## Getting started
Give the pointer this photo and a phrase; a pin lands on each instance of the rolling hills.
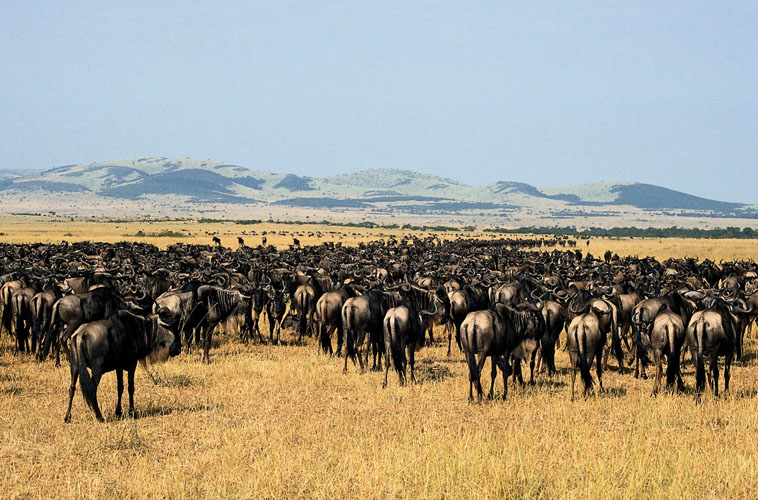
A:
(191, 182)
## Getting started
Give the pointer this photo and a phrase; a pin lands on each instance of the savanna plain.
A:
(266, 421)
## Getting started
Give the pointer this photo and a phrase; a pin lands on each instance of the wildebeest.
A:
(467, 299)
(6, 304)
(493, 333)
(116, 343)
(585, 343)
(365, 315)
(667, 338)
(41, 310)
(22, 316)
(711, 333)
(72, 311)
(329, 317)
(404, 330)
(218, 304)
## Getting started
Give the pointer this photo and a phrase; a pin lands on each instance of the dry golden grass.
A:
(30, 229)
(284, 422)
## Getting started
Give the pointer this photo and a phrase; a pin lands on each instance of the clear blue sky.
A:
(548, 93)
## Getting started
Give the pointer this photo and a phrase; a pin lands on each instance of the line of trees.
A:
(635, 232)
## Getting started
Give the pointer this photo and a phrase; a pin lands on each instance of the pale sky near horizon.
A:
(548, 93)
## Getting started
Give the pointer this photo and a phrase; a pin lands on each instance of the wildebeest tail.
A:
(699, 362)
(616, 345)
(349, 333)
(79, 358)
(304, 314)
(584, 367)
(672, 368)
(393, 345)
(38, 305)
(50, 334)
(473, 369)
(322, 340)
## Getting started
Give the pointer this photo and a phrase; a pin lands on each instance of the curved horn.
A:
(431, 313)
(740, 310)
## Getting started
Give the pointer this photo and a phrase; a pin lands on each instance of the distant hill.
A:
(381, 190)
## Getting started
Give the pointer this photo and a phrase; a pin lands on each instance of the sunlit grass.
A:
(265, 421)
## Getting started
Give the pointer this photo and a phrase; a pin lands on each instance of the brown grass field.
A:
(283, 422)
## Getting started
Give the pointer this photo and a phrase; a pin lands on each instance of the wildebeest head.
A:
(165, 343)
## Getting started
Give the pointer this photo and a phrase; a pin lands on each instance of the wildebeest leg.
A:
(538, 365)
(119, 390)
(493, 374)
(208, 333)
(480, 367)
(329, 332)
(573, 373)
(449, 343)
(386, 369)
(89, 389)
(504, 369)
(411, 359)
(130, 381)
(657, 354)
(271, 322)
(727, 371)
(257, 326)
(531, 367)
(714, 367)
(71, 391)
(606, 352)
(358, 347)
(599, 369)
(340, 339)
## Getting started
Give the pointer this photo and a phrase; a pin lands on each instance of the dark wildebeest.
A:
(712, 333)
(42, 309)
(667, 338)
(468, 299)
(554, 316)
(218, 304)
(22, 316)
(329, 317)
(6, 304)
(116, 343)
(494, 333)
(276, 310)
(404, 330)
(585, 342)
(365, 315)
(75, 310)
(304, 303)
(252, 323)
(182, 310)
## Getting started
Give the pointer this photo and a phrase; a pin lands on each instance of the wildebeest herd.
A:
(110, 306)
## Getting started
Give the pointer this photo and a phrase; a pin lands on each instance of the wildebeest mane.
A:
(225, 301)
(139, 330)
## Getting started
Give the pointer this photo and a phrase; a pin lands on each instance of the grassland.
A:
(283, 422)
(29, 229)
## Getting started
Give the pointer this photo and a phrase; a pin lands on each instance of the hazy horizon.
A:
(547, 95)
